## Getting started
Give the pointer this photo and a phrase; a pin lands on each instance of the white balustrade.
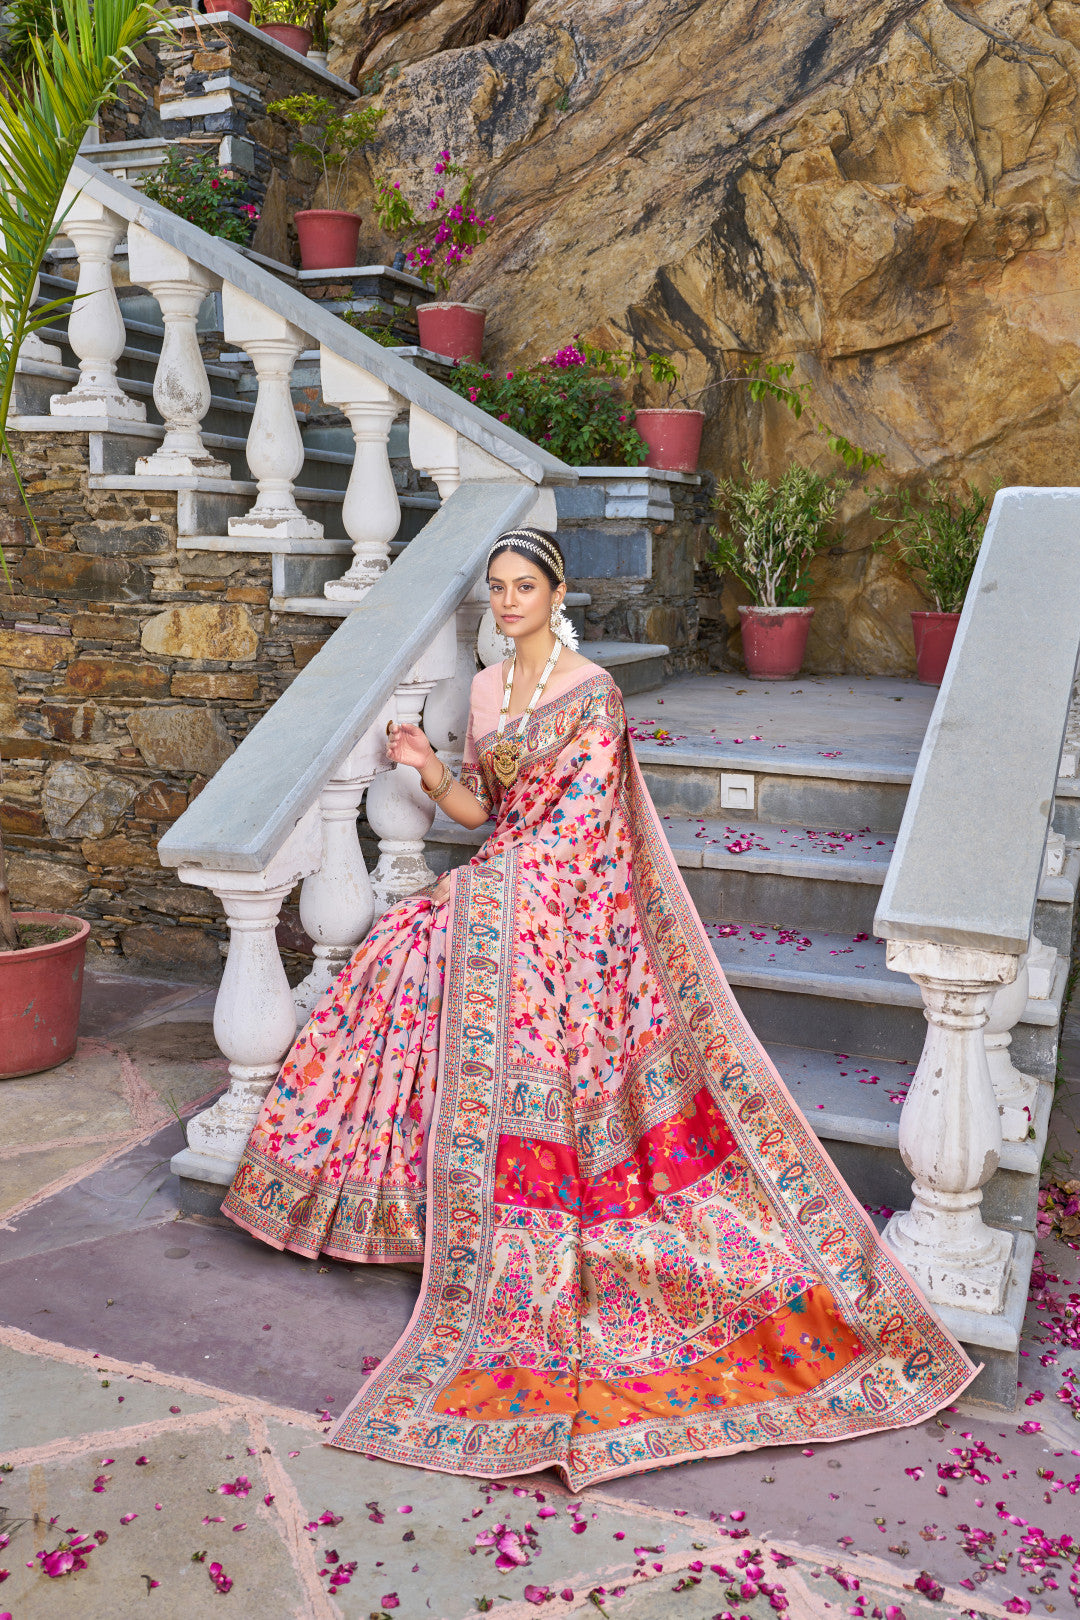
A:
(34, 346)
(181, 386)
(254, 1016)
(1016, 1093)
(337, 905)
(950, 1130)
(399, 812)
(275, 449)
(371, 512)
(96, 329)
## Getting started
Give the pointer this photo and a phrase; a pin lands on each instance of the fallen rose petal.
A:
(267, 1500)
(390, 1600)
(140, 1462)
(127, 1518)
(537, 1594)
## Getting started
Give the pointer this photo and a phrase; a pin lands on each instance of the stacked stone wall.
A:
(129, 671)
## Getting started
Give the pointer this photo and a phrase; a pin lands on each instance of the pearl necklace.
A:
(506, 755)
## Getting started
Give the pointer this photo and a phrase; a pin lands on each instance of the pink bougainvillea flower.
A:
(221, 1581)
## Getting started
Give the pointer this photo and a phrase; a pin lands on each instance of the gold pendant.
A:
(504, 762)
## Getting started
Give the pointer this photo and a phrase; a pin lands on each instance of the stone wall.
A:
(635, 544)
(884, 192)
(234, 72)
(129, 671)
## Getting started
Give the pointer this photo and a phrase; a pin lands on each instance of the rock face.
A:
(885, 193)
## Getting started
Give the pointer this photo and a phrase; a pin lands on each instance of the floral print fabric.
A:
(635, 1250)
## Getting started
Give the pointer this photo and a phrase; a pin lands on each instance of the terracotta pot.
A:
(934, 635)
(328, 238)
(456, 330)
(40, 998)
(673, 438)
(297, 39)
(238, 8)
(774, 641)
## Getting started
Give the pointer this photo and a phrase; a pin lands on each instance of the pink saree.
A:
(635, 1250)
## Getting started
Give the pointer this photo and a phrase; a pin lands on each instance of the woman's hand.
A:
(407, 745)
(440, 890)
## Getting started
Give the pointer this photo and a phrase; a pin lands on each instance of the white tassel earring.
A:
(562, 628)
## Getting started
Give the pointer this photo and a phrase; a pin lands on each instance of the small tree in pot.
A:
(45, 112)
(940, 541)
(328, 236)
(766, 539)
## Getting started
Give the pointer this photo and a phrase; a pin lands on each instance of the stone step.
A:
(833, 992)
(853, 1105)
(634, 666)
(821, 879)
(696, 777)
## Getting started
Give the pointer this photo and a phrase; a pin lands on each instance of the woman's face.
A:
(520, 595)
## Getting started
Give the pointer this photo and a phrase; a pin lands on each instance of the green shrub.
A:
(771, 531)
(939, 539)
(194, 186)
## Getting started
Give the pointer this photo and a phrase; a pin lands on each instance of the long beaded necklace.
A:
(506, 755)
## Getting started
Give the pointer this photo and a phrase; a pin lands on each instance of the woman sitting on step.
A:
(534, 1079)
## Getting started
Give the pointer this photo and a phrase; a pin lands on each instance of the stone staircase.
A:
(300, 571)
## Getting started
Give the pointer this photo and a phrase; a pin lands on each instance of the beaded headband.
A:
(531, 540)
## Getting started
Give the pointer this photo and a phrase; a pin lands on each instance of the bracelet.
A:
(446, 782)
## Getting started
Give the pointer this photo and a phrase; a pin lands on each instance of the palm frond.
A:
(45, 113)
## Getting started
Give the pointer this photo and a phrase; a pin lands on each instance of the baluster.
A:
(33, 345)
(96, 330)
(336, 902)
(399, 812)
(371, 513)
(275, 449)
(254, 1016)
(181, 386)
(1016, 1093)
(950, 1130)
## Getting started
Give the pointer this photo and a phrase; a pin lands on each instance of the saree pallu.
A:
(635, 1250)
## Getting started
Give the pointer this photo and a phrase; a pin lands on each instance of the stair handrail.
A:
(222, 259)
(958, 902)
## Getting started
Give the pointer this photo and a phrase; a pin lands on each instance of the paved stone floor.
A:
(148, 1362)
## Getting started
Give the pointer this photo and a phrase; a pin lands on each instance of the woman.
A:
(535, 1079)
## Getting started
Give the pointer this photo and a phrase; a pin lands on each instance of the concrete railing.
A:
(283, 808)
(958, 902)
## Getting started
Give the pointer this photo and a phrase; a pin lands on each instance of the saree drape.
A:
(635, 1251)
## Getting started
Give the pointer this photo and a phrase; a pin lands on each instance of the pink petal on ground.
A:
(537, 1594)
(390, 1600)
(140, 1462)
(127, 1518)
(267, 1500)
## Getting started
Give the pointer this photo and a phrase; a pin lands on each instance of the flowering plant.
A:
(444, 235)
(333, 137)
(773, 530)
(193, 185)
(568, 404)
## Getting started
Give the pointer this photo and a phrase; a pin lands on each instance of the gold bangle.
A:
(445, 783)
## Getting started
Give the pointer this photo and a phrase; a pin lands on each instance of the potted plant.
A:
(437, 242)
(940, 540)
(328, 236)
(671, 432)
(45, 112)
(237, 8)
(287, 21)
(194, 185)
(769, 534)
(566, 402)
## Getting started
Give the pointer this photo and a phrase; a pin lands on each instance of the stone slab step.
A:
(806, 788)
(853, 1105)
(834, 992)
